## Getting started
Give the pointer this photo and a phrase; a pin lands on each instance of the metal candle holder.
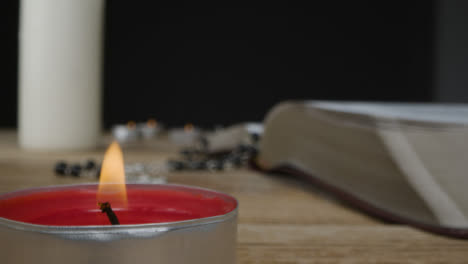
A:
(204, 241)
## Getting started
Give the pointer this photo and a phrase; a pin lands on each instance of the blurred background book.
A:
(403, 162)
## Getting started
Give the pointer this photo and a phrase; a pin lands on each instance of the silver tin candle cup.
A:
(204, 240)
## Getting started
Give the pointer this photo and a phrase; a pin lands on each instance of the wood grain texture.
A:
(280, 220)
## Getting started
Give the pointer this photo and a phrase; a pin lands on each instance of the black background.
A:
(214, 64)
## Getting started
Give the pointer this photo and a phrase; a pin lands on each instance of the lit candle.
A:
(149, 129)
(186, 136)
(125, 133)
(158, 223)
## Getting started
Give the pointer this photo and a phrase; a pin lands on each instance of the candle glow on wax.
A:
(112, 179)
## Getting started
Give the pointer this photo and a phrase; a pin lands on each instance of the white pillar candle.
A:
(60, 73)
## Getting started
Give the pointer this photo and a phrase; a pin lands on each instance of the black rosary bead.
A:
(214, 165)
(90, 164)
(197, 165)
(75, 170)
(61, 168)
(176, 165)
(255, 137)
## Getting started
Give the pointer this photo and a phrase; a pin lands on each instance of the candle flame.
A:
(131, 125)
(152, 123)
(188, 127)
(112, 180)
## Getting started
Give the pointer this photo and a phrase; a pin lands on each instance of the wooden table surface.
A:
(280, 220)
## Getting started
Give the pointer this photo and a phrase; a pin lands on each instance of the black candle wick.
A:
(106, 208)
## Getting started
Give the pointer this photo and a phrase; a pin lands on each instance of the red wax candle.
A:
(77, 205)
